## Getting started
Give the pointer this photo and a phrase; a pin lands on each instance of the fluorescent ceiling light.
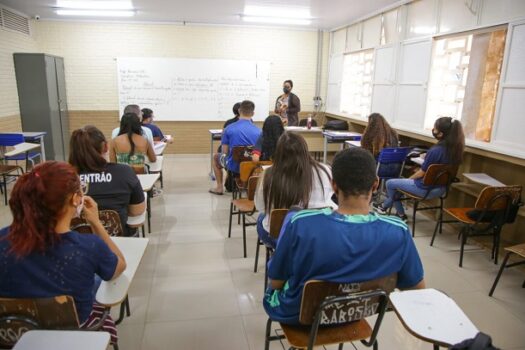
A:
(277, 20)
(95, 4)
(95, 13)
(278, 11)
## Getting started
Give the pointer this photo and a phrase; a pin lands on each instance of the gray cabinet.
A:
(42, 96)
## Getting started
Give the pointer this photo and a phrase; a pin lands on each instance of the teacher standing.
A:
(288, 105)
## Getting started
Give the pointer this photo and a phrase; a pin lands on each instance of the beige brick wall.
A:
(11, 42)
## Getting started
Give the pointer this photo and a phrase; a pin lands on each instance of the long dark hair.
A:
(37, 201)
(289, 181)
(271, 131)
(453, 138)
(378, 134)
(85, 149)
(129, 125)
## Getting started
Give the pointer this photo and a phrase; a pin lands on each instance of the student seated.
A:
(147, 121)
(112, 186)
(135, 109)
(448, 150)
(271, 131)
(241, 133)
(40, 257)
(130, 147)
(346, 245)
(216, 163)
(294, 179)
(378, 135)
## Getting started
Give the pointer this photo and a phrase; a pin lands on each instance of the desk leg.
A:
(149, 211)
(325, 146)
(211, 155)
(42, 149)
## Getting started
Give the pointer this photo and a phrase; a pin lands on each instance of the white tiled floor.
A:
(194, 290)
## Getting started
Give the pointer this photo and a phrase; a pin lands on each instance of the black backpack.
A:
(336, 125)
(481, 342)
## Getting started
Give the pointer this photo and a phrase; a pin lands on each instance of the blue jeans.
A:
(407, 185)
(264, 235)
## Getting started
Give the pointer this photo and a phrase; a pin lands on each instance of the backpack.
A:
(480, 342)
(336, 125)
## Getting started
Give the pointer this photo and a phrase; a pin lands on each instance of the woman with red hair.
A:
(40, 256)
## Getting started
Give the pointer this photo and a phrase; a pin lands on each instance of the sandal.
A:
(216, 192)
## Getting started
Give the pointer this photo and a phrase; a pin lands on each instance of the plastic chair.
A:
(436, 175)
(12, 139)
(8, 171)
(390, 163)
(516, 249)
(18, 316)
(495, 207)
(341, 306)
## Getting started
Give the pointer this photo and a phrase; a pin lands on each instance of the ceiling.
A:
(327, 14)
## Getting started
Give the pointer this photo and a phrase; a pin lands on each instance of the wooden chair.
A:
(436, 175)
(18, 316)
(245, 206)
(239, 154)
(5, 172)
(495, 206)
(276, 222)
(341, 306)
(109, 219)
(516, 249)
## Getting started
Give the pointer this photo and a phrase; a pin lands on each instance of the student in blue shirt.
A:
(147, 121)
(241, 133)
(448, 150)
(348, 245)
(40, 256)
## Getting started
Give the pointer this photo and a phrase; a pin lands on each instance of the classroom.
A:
(153, 184)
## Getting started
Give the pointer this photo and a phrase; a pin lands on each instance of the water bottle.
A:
(309, 123)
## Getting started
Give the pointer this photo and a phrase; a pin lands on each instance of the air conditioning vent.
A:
(14, 21)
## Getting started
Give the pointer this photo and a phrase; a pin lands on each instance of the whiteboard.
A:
(183, 89)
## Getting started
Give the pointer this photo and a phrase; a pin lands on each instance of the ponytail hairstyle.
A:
(37, 202)
(289, 181)
(271, 131)
(378, 135)
(129, 125)
(453, 138)
(85, 149)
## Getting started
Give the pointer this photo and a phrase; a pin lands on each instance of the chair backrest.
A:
(391, 160)
(18, 316)
(242, 153)
(321, 300)
(11, 139)
(504, 200)
(252, 185)
(110, 219)
(276, 221)
(251, 168)
(440, 175)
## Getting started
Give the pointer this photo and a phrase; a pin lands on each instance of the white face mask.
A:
(80, 207)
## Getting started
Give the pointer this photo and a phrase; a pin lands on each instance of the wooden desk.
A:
(331, 136)
(215, 135)
(111, 293)
(313, 138)
(432, 316)
(483, 179)
(147, 181)
(63, 340)
(37, 136)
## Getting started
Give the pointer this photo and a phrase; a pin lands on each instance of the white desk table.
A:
(432, 316)
(159, 148)
(111, 293)
(147, 181)
(332, 136)
(156, 167)
(418, 160)
(215, 135)
(484, 179)
(62, 340)
(37, 136)
(23, 148)
(351, 143)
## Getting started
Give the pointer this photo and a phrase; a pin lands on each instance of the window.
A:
(464, 80)
(356, 88)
